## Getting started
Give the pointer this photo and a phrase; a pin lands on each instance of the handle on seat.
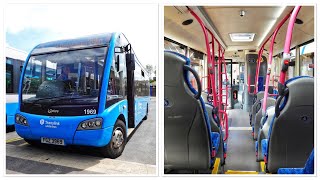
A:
(254, 99)
(277, 107)
(195, 74)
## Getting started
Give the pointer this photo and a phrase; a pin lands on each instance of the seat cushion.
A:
(308, 168)
(264, 145)
(290, 171)
(215, 139)
(256, 146)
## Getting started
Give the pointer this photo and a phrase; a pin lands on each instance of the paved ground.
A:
(142, 145)
(139, 156)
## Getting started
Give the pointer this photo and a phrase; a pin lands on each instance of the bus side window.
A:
(113, 83)
(117, 78)
(137, 81)
(122, 74)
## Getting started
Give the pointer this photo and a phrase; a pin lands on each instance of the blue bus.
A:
(14, 63)
(86, 91)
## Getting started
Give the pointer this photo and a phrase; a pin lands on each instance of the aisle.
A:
(241, 154)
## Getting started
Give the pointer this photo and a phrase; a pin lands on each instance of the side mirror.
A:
(130, 61)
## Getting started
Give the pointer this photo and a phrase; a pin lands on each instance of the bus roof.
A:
(75, 43)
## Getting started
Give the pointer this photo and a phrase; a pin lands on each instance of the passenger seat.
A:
(257, 119)
(188, 140)
(263, 132)
(291, 135)
(256, 106)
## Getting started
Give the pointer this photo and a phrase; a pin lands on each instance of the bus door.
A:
(124, 65)
(233, 73)
(130, 64)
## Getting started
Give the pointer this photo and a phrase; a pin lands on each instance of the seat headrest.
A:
(260, 95)
(301, 92)
(173, 65)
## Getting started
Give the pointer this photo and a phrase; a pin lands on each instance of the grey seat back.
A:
(256, 105)
(215, 127)
(291, 138)
(263, 133)
(204, 96)
(213, 124)
(186, 137)
(257, 120)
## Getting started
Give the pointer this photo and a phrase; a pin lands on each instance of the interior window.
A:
(307, 59)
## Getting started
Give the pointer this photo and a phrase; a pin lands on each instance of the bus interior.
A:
(242, 100)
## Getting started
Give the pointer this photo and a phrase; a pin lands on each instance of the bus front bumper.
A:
(95, 138)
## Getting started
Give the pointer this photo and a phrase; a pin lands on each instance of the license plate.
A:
(54, 141)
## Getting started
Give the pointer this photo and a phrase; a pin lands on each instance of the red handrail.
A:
(211, 62)
(260, 55)
(266, 88)
(204, 32)
(211, 70)
(286, 50)
(224, 114)
(258, 64)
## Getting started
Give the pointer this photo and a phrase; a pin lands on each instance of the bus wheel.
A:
(10, 129)
(118, 141)
(146, 117)
(31, 142)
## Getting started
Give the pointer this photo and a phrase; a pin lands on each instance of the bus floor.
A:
(241, 154)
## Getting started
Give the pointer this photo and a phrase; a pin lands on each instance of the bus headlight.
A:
(21, 120)
(95, 123)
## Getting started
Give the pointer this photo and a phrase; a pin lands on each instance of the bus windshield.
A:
(63, 78)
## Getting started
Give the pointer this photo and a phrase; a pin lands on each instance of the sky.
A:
(28, 25)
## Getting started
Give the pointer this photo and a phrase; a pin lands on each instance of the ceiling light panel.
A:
(242, 37)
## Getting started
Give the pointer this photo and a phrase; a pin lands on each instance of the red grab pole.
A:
(261, 52)
(211, 72)
(206, 41)
(266, 88)
(220, 80)
(217, 102)
(258, 65)
(286, 50)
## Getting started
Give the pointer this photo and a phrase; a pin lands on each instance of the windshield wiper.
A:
(71, 98)
(47, 98)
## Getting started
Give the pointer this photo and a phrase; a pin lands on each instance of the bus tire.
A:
(146, 117)
(117, 143)
(31, 142)
(10, 128)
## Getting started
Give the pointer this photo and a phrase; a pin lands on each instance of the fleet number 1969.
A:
(90, 111)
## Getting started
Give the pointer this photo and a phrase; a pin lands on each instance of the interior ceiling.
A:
(226, 19)
(301, 32)
(190, 35)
